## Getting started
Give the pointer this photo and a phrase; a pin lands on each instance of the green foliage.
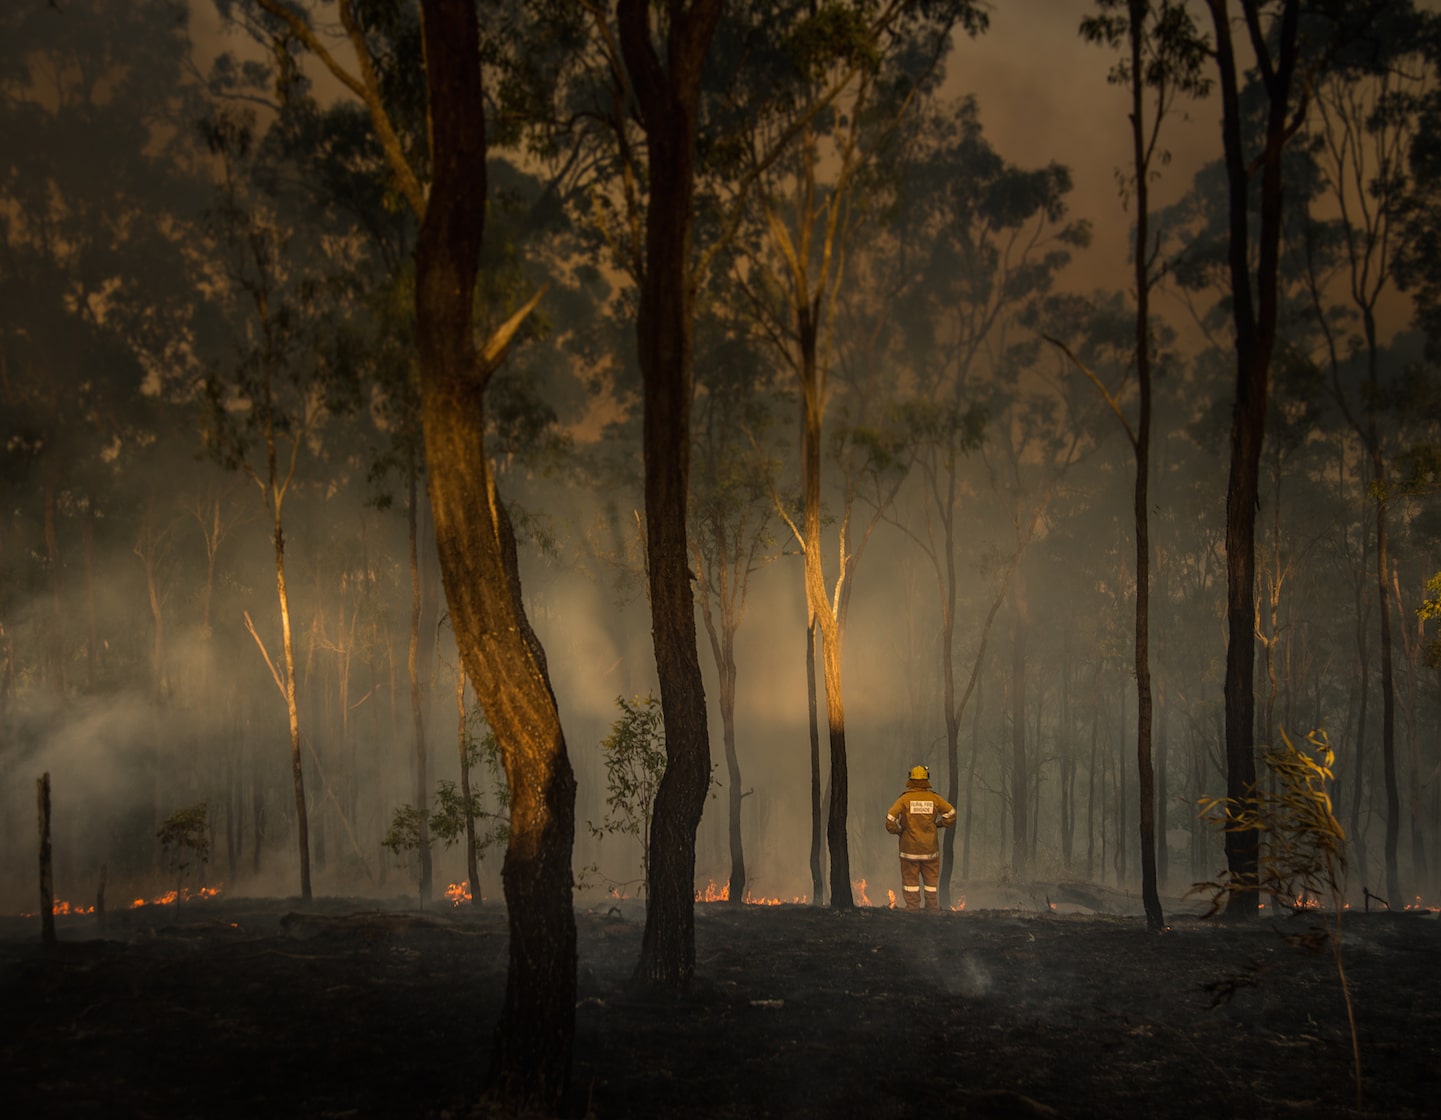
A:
(448, 821)
(407, 828)
(634, 762)
(412, 828)
(1302, 860)
(185, 839)
(1303, 845)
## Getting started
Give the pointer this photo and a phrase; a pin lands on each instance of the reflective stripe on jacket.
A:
(915, 817)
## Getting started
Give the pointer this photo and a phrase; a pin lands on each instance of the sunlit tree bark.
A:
(498, 649)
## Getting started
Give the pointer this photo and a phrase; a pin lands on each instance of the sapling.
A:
(185, 839)
(634, 762)
(1302, 851)
(454, 816)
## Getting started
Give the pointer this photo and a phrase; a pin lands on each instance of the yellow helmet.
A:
(920, 773)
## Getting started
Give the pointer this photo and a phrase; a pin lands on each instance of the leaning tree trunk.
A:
(498, 649)
(667, 90)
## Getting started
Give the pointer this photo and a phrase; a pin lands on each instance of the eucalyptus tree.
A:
(267, 403)
(1163, 58)
(974, 239)
(1292, 48)
(731, 532)
(1364, 125)
(441, 174)
(657, 61)
(1273, 33)
(867, 66)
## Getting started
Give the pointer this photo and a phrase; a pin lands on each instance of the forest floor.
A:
(235, 1007)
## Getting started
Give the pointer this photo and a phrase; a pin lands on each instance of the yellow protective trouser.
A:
(916, 871)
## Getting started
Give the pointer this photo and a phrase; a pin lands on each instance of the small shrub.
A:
(185, 840)
(1302, 850)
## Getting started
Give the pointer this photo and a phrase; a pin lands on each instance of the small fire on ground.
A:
(712, 892)
(460, 892)
(61, 907)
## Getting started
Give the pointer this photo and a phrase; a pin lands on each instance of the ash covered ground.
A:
(235, 1007)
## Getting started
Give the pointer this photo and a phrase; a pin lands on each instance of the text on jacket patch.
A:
(927, 807)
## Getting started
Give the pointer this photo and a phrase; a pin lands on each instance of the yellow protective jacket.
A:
(915, 817)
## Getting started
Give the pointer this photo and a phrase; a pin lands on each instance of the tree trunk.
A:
(501, 654)
(292, 709)
(1255, 326)
(418, 685)
(1388, 690)
(1020, 772)
(87, 556)
(818, 887)
(54, 654)
(47, 875)
(472, 864)
(737, 892)
(1146, 793)
(666, 86)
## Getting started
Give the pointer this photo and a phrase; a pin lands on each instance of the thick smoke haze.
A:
(113, 494)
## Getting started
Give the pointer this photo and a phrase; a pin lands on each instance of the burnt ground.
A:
(256, 1008)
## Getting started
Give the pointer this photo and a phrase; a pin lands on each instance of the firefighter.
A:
(915, 816)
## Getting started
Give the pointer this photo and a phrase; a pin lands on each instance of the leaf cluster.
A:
(185, 836)
(1302, 843)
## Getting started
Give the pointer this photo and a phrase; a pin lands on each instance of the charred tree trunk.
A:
(719, 580)
(737, 893)
(1146, 794)
(1388, 685)
(1255, 328)
(47, 875)
(500, 652)
(666, 87)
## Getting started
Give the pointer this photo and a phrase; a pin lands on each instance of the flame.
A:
(62, 907)
(460, 892)
(892, 896)
(712, 892)
(960, 904)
